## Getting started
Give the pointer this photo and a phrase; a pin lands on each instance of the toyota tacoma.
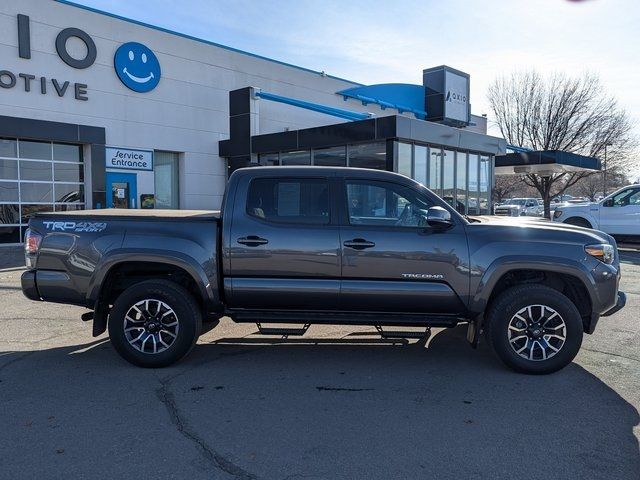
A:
(315, 245)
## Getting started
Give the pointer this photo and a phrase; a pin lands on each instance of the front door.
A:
(121, 190)
(392, 260)
(282, 251)
(620, 214)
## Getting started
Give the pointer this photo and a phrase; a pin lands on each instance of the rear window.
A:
(289, 200)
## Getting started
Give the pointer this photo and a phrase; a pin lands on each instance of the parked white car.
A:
(617, 214)
(518, 207)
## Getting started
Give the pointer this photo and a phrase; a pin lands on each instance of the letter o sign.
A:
(61, 47)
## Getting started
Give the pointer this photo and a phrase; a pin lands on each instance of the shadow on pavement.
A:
(11, 257)
(313, 408)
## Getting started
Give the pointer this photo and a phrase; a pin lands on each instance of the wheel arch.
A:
(567, 277)
(583, 218)
(142, 265)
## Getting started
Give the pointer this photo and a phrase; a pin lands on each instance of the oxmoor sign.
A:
(129, 159)
(135, 64)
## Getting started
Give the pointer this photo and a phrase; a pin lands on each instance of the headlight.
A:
(602, 251)
(557, 214)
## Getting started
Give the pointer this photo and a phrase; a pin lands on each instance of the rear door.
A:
(284, 249)
(392, 260)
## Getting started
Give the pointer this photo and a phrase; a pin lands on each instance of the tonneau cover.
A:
(141, 213)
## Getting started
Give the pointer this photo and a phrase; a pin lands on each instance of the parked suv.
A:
(517, 207)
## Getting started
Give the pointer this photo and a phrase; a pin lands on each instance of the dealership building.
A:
(101, 111)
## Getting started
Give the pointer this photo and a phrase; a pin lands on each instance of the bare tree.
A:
(558, 112)
(504, 186)
(592, 186)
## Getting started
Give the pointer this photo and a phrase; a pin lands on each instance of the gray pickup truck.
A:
(314, 245)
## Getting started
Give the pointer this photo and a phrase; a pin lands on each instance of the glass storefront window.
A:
(269, 159)
(420, 163)
(37, 176)
(68, 193)
(435, 170)
(35, 150)
(330, 157)
(404, 159)
(301, 157)
(66, 153)
(461, 182)
(39, 171)
(8, 147)
(8, 191)
(36, 192)
(448, 163)
(68, 172)
(166, 169)
(473, 205)
(8, 169)
(485, 173)
(368, 155)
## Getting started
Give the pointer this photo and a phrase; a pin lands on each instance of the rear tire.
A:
(154, 323)
(534, 329)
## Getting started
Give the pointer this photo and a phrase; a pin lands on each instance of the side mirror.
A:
(608, 202)
(439, 217)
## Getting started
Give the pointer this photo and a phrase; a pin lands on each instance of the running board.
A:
(284, 332)
(399, 334)
(307, 317)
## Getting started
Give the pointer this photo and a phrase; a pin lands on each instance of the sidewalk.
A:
(11, 257)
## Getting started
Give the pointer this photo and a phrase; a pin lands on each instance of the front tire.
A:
(154, 323)
(534, 329)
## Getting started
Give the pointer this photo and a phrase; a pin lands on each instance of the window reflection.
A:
(330, 157)
(368, 155)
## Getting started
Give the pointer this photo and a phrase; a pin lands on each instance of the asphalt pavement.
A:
(336, 403)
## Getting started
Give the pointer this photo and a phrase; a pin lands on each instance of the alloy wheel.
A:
(151, 326)
(537, 332)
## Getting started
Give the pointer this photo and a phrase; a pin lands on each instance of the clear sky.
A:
(376, 41)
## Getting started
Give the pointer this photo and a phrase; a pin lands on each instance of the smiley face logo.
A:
(137, 67)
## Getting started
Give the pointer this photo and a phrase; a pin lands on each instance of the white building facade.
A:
(100, 111)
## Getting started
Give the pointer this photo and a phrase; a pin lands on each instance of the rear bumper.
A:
(620, 303)
(29, 289)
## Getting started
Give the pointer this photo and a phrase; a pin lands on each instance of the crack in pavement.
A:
(612, 354)
(17, 359)
(220, 462)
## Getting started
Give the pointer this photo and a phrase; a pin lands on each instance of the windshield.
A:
(516, 201)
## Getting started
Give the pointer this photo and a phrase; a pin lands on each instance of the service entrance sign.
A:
(129, 159)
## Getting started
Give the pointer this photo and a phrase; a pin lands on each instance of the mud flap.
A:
(474, 329)
(101, 313)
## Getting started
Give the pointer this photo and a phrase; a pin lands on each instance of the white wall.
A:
(187, 112)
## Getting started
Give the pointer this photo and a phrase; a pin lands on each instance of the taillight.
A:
(31, 242)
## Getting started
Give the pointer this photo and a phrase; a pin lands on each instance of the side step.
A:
(282, 331)
(424, 335)
(343, 318)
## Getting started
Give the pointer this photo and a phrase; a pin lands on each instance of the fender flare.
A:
(176, 259)
(503, 265)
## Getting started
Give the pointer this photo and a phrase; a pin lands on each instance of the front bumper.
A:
(620, 303)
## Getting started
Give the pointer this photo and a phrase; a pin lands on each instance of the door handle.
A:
(252, 241)
(359, 244)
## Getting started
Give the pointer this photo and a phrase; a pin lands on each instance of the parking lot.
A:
(336, 403)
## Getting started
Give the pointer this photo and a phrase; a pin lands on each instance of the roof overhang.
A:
(544, 162)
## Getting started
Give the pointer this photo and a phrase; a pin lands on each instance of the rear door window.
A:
(289, 200)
